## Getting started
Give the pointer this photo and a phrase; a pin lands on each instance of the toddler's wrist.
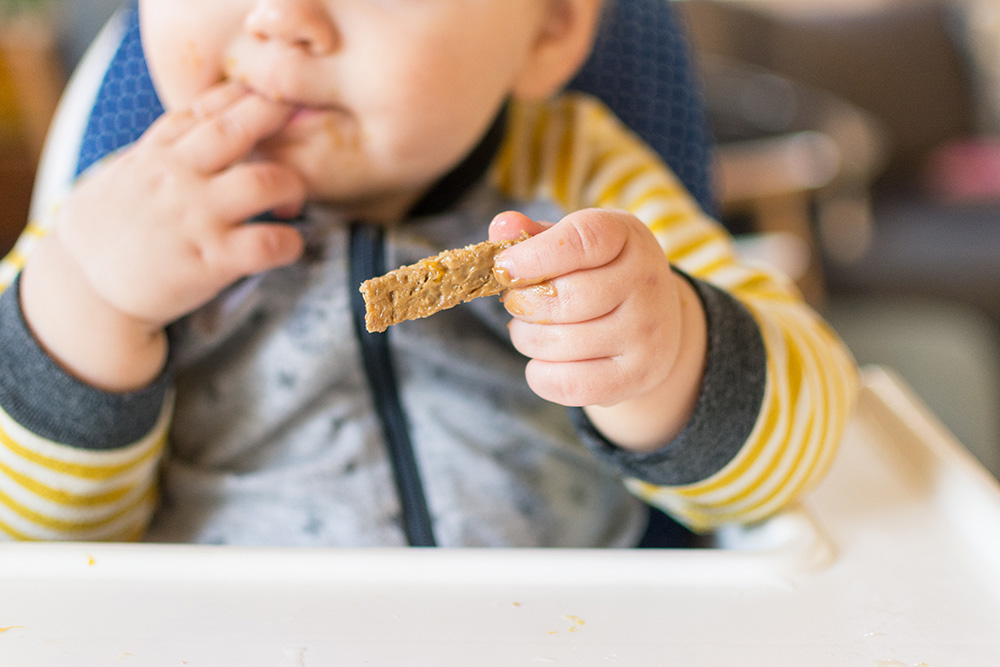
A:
(90, 338)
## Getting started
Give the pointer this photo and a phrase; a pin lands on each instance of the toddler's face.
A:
(390, 94)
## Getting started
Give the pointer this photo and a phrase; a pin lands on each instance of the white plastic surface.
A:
(894, 561)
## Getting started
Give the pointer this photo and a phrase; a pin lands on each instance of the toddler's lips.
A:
(302, 108)
(334, 123)
(306, 111)
(303, 113)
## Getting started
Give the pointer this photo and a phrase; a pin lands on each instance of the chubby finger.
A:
(249, 189)
(566, 342)
(510, 225)
(217, 98)
(221, 139)
(582, 240)
(577, 297)
(175, 123)
(599, 381)
(256, 246)
(170, 126)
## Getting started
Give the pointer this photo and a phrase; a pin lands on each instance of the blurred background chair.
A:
(905, 235)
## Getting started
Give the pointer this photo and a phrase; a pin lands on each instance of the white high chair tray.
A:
(894, 561)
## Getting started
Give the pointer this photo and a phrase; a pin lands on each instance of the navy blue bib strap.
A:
(126, 103)
(368, 261)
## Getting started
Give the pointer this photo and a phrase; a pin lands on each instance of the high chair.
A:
(892, 561)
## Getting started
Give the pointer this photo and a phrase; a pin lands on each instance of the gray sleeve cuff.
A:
(40, 396)
(727, 408)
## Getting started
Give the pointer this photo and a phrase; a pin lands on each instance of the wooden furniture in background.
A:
(31, 79)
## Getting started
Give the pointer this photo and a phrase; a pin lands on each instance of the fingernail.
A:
(503, 269)
(502, 272)
(515, 305)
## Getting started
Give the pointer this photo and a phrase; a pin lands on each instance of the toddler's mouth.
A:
(307, 122)
(309, 116)
(304, 112)
(302, 107)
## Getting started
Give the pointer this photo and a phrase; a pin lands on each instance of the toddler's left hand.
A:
(596, 306)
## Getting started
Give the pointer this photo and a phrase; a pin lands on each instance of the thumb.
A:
(508, 225)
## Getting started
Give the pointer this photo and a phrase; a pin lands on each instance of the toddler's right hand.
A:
(159, 230)
(155, 232)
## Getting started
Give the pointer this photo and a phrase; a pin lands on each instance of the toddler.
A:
(182, 350)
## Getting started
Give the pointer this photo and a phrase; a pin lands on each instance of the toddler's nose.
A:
(304, 24)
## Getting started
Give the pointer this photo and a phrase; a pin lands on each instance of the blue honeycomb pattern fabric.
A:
(641, 69)
(126, 102)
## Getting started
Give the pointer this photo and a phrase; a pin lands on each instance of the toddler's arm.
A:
(777, 386)
(156, 232)
(144, 238)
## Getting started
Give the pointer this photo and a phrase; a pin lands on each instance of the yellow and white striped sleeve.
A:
(574, 152)
(51, 491)
(75, 463)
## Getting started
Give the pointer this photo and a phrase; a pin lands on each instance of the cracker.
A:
(432, 284)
